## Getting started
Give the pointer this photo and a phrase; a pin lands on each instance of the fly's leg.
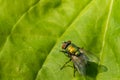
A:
(63, 51)
(65, 64)
(69, 66)
(74, 70)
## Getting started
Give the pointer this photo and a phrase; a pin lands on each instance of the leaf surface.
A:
(31, 34)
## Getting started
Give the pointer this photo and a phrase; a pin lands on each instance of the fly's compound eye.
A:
(65, 44)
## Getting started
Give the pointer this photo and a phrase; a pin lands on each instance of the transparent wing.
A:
(80, 64)
(90, 57)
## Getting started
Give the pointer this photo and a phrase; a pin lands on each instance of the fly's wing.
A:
(80, 64)
(90, 56)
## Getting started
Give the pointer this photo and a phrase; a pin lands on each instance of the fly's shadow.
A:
(92, 69)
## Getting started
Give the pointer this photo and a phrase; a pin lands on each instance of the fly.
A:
(78, 56)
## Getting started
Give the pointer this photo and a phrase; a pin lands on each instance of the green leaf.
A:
(32, 31)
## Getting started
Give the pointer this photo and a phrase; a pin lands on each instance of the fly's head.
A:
(64, 48)
(65, 44)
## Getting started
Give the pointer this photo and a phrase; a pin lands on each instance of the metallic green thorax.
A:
(73, 49)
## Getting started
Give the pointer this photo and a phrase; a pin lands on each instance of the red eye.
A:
(64, 46)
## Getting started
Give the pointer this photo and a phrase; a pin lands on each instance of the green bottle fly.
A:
(78, 56)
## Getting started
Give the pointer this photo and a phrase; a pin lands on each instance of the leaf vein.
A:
(106, 28)
(21, 17)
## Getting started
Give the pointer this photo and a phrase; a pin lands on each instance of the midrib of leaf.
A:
(21, 17)
(104, 36)
(105, 30)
